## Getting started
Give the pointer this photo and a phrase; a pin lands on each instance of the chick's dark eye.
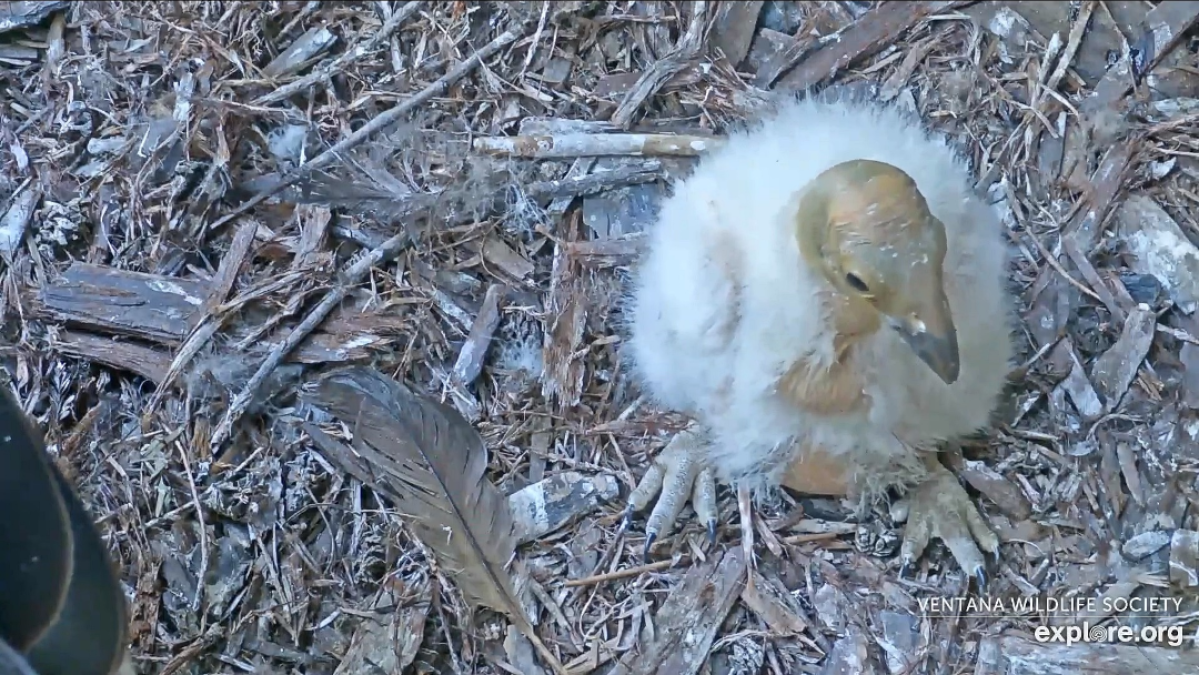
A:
(855, 282)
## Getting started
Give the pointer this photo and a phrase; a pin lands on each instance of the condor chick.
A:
(826, 282)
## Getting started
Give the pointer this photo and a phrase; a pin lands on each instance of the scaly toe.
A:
(680, 470)
(673, 477)
(940, 508)
(703, 500)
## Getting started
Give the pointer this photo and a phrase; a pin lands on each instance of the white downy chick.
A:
(829, 280)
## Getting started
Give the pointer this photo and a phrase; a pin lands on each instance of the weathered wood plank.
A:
(119, 302)
(105, 302)
(688, 620)
(132, 357)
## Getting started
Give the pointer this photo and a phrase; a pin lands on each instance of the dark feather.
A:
(433, 464)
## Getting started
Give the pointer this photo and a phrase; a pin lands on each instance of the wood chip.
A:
(221, 284)
(566, 311)
(769, 599)
(470, 360)
(619, 213)
(515, 265)
(1145, 544)
(119, 302)
(1076, 385)
(614, 86)
(733, 31)
(766, 46)
(1088, 272)
(907, 67)
(129, 357)
(608, 252)
(1128, 468)
(1114, 371)
(688, 620)
(1006, 495)
(900, 642)
(1184, 559)
(596, 182)
(850, 656)
(16, 219)
(26, 13)
(520, 653)
(1104, 186)
(1163, 28)
(557, 501)
(1189, 355)
(297, 55)
(388, 638)
(1158, 246)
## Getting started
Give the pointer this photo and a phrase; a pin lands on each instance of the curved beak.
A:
(933, 337)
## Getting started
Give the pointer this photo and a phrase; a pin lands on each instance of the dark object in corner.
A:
(62, 611)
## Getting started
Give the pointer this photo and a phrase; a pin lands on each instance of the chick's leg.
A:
(676, 473)
(939, 507)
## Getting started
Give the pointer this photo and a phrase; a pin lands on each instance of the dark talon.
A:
(650, 537)
(980, 575)
(904, 568)
(712, 532)
(626, 520)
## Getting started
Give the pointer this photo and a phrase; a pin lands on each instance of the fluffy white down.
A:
(726, 231)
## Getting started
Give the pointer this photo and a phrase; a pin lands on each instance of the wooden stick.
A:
(569, 146)
(625, 573)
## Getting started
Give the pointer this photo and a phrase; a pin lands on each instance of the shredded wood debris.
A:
(206, 206)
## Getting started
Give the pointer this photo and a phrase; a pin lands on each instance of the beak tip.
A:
(950, 364)
(938, 349)
(951, 374)
(940, 355)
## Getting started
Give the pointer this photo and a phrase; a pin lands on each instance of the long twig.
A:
(355, 272)
(349, 278)
(569, 146)
(439, 87)
(198, 597)
(627, 572)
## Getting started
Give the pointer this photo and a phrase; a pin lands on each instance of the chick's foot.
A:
(939, 507)
(676, 474)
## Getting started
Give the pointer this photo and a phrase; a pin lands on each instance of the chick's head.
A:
(865, 226)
